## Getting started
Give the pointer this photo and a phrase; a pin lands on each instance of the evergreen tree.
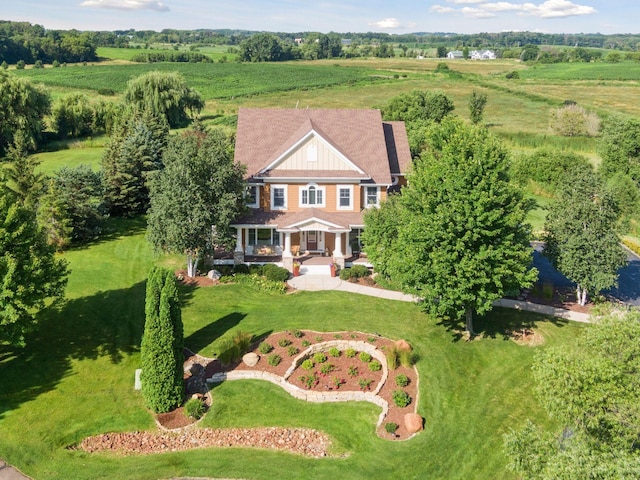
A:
(21, 171)
(161, 350)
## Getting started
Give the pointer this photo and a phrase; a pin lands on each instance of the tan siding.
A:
(357, 198)
(265, 197)
(292, 198)
(326, 158)
(382, 194)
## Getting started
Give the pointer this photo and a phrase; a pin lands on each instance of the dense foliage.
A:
(23, 106)
(196, 196)
(581, 240)
(457, 236)
(166, 94)
(418, 105)
(547, 167)
(593, 390)
(162, 343)
(31, 276)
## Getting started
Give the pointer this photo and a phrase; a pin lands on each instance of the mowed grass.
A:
(75, 378)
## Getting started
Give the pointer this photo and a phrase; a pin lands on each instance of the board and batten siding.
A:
(314, 154)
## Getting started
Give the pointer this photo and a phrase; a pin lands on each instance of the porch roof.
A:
(294, 221)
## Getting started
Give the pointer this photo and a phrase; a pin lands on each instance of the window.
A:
(354, 240)
(371, 199)
(251, 196)
(279, 197)
(263, 236)
(312, 196)
(345, 195)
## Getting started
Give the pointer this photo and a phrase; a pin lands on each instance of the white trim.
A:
(312, 220)
(344, 187)
(257, 202)
(305, 188)
(273, 189)
(304, 138)
(366, 196)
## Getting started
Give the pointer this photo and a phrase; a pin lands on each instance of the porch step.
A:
(315, 269)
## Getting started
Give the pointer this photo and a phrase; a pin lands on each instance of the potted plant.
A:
(296, 269)
(333, 268)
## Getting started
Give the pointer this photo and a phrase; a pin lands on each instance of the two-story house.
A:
(310, 176)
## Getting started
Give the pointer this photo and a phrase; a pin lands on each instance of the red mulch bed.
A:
(562, 297)
(342, 364)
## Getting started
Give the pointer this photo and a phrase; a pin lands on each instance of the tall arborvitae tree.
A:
(161, 349)
(134, 151)
(21, 170)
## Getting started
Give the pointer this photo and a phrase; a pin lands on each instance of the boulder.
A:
(250, 359)
(214, 274)
(413, 422)
(403, 345)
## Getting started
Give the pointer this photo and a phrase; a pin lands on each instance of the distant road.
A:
(628, 290)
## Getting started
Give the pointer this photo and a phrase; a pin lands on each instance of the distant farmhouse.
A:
(473, 55)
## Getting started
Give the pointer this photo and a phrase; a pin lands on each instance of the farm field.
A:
(75, 379)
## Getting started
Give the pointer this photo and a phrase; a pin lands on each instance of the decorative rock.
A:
(250, 359)
(137, 384)
(413, 422)
(403, 345)
(214, 274)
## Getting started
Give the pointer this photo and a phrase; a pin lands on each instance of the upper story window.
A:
(372, 198)
(345, 197)
(252, 196)
(279, 197)
(311, 196)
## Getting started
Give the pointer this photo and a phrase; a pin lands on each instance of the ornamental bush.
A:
(195, 408)
(402, 380)
(401, 398)
(365, 357)
(275, 273)
(375, 366)
(265, 347)
(274, 359)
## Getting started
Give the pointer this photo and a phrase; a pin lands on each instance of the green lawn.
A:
(75, 378)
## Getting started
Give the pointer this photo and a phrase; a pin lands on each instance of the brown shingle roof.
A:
(398, 147)
(265, 134)
(283, 220)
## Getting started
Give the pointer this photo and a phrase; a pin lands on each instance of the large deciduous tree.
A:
(162, 343)
(31, 276)
(196, 196)
(23, 106)
(593, 390)
(462, 241)
(418, 105)
(166, 94)
(581, 240)
(620, 147)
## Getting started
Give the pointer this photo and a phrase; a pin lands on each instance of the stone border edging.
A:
(320, 397)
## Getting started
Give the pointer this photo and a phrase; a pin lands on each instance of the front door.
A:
(312, 240)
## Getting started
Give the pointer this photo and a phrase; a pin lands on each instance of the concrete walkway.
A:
(7, 472)
(324, 282)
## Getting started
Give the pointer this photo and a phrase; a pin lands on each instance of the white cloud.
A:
(557, 8)
(476, 13)
(127, 4)
(501, 7)
(465, 2)
(441, 9)
(386, 23)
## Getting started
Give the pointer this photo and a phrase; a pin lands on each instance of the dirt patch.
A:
(525, 336)
(197, 281)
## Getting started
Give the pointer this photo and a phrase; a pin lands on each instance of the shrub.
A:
(275, 273)
(306, 343)
(407, 358)
(297, 333)
(402, 380)
(195, 408)
(391, 427)
(572, 120)
(319, 338)
(514, 74)
(274, 359)
(309, 381)
(241, 268)
(365, 357)
(284, 342)
(291, 351)
(327, 368)
(393, 360)
(375, 366)
(359, 271)
(372, 339)
(353, 371)
(334, 352)
(350, 353)
(401, 398)
(442, 67)
(265, 347)
(345, 274)
(547, 166)
(364, 384)
(255, 269)
(319, 357)
(307, 364)
(337, 381)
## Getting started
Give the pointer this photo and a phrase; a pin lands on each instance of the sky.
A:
(390, 16)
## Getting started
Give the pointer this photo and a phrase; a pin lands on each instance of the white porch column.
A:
(287, 245)
(239, 240)
(337, 249)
